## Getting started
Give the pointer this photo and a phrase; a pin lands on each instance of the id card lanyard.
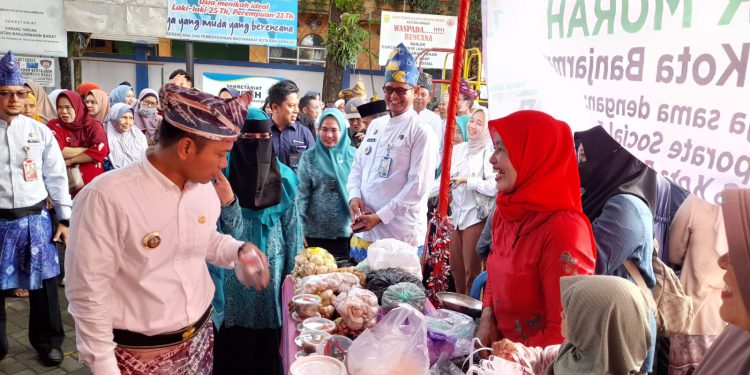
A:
(29, 166)
(385, 165)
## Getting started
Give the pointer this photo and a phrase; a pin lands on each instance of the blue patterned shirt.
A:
(320, 203)
(247, 307)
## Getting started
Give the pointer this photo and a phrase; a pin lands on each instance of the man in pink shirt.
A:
(140, 237)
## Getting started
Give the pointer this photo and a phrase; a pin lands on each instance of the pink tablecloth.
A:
(289, 327)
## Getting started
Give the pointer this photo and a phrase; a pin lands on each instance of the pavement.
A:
(22, 359)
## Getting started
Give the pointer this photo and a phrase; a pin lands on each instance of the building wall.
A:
(109, 74)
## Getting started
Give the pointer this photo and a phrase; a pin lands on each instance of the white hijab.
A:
(124, 148)
(479, 144)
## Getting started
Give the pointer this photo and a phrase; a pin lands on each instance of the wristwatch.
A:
(65, 222)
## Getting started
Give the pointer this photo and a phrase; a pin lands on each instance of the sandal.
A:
(19, 293)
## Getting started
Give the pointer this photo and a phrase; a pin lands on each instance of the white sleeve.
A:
(55, 176)
(484, 183)
(354, 183)
(420, 180)
(92, 261)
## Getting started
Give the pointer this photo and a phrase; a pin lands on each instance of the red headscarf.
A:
(86, 87)
(82, 131)
(542, 152)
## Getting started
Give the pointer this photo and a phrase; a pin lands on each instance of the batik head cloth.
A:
(425, 82)
(466, 90)
(401, 67)
(202, 114)
(10, 72)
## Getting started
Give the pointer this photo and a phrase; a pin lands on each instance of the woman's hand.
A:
(458, 181)
(223, 189)
(487, 332)
(504, 349)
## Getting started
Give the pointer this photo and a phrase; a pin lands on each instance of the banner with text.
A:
(40, 70)
(33, 27)
(214, 82)
(418, 32)
(264, 22)
(666, 78)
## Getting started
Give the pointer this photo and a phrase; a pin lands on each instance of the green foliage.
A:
(345, 38)
(349, 6)
(421, 6)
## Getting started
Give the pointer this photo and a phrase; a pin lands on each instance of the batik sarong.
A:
(27, 254)
(192, 357)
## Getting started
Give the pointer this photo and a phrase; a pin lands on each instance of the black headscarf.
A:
(253, 171)
(611, 170)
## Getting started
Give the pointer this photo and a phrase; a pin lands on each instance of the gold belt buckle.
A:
(188, 334)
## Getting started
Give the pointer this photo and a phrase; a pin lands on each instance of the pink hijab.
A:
(730, 353)
(103, 99)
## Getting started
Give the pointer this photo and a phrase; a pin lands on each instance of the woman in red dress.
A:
(81, 137)
(539, 230)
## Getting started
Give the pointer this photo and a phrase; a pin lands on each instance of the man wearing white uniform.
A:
(394, 168)
(31, 169)
(423, 97)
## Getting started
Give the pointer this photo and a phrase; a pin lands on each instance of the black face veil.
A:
(253, 171)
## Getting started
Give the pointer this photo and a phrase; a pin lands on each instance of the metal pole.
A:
(189, 56)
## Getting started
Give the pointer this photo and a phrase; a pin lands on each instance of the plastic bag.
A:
(389, 253)
(407, 293)
(495, 366)
(358, 308)
(379, 281)
(337, 282)
(396, 346)
(445, 367)
(313, 261)
(440, 345)
(453, 324)
(491, 366)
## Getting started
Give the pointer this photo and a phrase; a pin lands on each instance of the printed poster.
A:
(265, 22)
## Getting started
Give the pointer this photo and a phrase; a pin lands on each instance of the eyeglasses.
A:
(22, 94)
(401, 91)
(149, 104)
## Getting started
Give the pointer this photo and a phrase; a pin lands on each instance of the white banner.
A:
(418, 32)
(667, 78)
(123, 20)
(33, 27)
(214, 82)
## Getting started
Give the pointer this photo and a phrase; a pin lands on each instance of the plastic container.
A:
(309, 340)
(336, 346)
(317, 365)
(318, 324)
(306, 305)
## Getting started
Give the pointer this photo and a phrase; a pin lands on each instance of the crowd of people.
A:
(191, 207)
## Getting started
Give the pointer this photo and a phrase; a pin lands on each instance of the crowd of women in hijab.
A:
(583, 258)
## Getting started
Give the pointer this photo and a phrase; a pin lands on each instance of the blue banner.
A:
(270, 23)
